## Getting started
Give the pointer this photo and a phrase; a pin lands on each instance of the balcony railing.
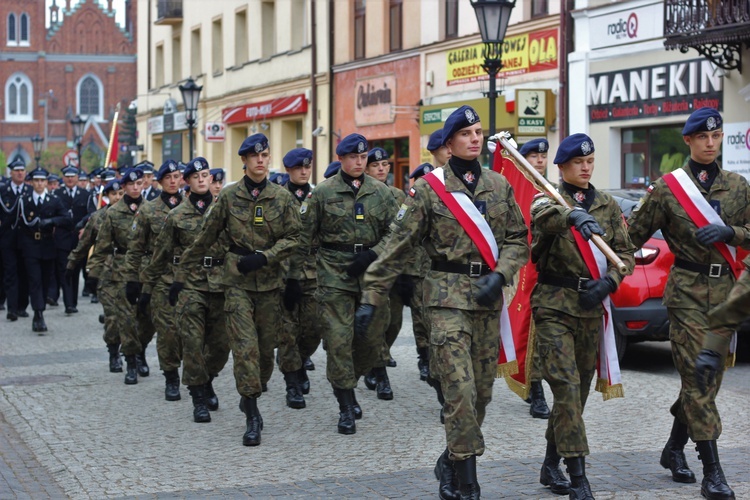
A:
(715, 28)
(168, 12)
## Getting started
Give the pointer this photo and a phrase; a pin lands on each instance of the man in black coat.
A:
(15, 282)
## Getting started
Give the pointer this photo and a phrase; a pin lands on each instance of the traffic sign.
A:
(70, 158)
(215, 132)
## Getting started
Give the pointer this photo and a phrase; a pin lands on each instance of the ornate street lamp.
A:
(190, 95)
(37, 141)
(78, 123)
(493, 17)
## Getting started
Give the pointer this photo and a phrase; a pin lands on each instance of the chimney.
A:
(67, 5)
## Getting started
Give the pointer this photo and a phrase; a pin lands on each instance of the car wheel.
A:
(621, 342)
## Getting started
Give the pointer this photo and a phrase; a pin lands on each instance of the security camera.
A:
(318, 131)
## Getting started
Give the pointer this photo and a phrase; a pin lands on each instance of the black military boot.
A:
(253, 421)
(539, 408)
(579, 485)
(551, 474)
(423, 353)
(212, 400)
(355, 407)
(12, 315)
(304, 380)
(346, 423)
(673, 454)
(371, 381)
(384, 384)
(101, 319)
(38, 324)
(140, 359)
(200, 410)
(131, 373)
(294, 397)
(444, 472)
(466, 470)
(714, 485)
(115, 363)
(172, 386)
(308, 364)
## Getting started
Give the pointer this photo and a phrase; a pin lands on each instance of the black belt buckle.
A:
(582, 285)
(37, 235)
(176, 259)
(714, 271)
(208, 262)
(475, 269)
(358, 247)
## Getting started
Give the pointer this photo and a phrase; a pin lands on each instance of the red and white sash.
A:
(475, 225)
(609, 379)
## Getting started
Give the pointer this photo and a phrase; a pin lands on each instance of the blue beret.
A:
(197, 164)
(436, 140)
(181, 166)
(167, 167)
(573, 146)
(279, 178)
(131, 175)
(70, 172)
(461, 118)
(298, 157)
(18, 164)
(352, 143)
(83, 176)
(108, 174)
(702, 120)
(53, 178)
(122, 169)
(113, 185)
(39, 173)
(377, 154)
(332, 169)
(256, 143)
(534, 146)
(424, 168)
(218, 174)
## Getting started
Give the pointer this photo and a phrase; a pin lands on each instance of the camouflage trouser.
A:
(168, 343)
(253, 324)
(300, 335)
(134, 335)
(107, 293)
(734, 310)
(463, 358)
(202, 329)
(348, 356)
(420, 324)
(392, 327)
(687, 329)
(535, 370)
(567, 348)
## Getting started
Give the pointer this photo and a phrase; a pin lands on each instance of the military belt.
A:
(473, 269)
(119, 251)
(574, 283)
(209, 262)
(238, 250)
(38, 235)
(354, 248)
(710, 270)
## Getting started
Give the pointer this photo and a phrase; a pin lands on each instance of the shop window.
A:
(650, 152)
(359, 29)
(539, 8)
(395, 12)
(399, 151)
(18, 98)
(451, 18)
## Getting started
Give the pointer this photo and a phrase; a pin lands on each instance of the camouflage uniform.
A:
(733, 311)
(329, 217)
(567, 334)
(463, 335)
(690, 295)
(252, 302)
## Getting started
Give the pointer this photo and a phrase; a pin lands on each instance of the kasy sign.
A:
(627, 26)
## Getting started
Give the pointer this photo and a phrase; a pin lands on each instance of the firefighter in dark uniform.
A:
(15, 282)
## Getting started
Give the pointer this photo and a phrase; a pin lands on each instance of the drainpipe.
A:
(313, 85)
(566, 33)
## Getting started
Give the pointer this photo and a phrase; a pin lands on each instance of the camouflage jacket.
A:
(659, 209)
(269, 225)
(148, 223)
(425, 220)
(555, 252)
(87, 240)
(419, 264)
(329, 217)
(182, 226)
(112, 242)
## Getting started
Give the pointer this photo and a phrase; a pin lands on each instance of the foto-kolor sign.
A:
(627, 26)
(735, 154)
(373, 100)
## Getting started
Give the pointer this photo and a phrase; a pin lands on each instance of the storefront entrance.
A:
(650, 152)
(399, 150)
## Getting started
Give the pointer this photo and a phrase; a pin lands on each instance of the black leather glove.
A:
(143, 301)
(360, 263)
(362, 319)
(584, 223)
(251, 262)
(596, 291)
(174, 292)
(292, 294)
(92, 283)
(712, 233)
(490, 289)
(404, 287)
(132, 291)
(706, 367)
(70, 275)
(46, 223)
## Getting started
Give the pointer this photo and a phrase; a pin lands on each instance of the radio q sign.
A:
(215, 132)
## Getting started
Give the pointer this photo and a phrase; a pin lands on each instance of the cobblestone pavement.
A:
(69, 428)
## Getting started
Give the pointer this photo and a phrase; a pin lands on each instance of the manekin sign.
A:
(667, 89)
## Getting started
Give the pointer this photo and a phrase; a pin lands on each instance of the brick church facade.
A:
(83, 64)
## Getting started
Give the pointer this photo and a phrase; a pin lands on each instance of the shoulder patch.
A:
(303, 207)
(651, 187)
(412, 192)
(542, 200)
(134, 226)
(402, 211)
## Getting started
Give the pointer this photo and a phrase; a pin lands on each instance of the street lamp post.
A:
(493, 17)
(37, 141)
(190, 95)
(78, 124)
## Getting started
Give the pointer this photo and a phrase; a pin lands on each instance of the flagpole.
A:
(109, 151)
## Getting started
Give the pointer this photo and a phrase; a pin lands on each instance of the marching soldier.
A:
(15, 282)
(332, 169)
(261, 221)
(704, 212)
(217, 181)
(437, 148)
(40, 213)
(349, 215)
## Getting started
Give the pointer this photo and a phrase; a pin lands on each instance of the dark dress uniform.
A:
(15, 282)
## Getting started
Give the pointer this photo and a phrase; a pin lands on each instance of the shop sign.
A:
(437, 115)
(735, 152)
(531, 126)
(627, 26)
(374, 99)
(283, 106)
(678, 88)
(215, 132)
(167, 123)
(526, 53)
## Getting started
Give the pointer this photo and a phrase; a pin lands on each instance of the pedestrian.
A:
(261, 221)
(462, 291)
(703, 212)
(15, 281)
